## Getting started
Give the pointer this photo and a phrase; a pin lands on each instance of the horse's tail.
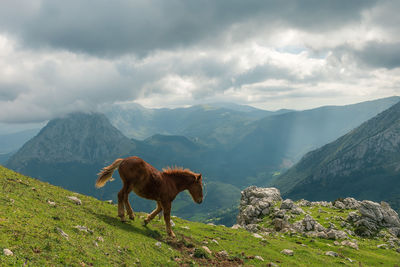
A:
(106, 173)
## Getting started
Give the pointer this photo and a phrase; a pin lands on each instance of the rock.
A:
(336, 234)
(206, 249)
(7, 252)
(304, 203)
(288, 204)
(51, 203)
(212, 224)
(109, 201)
(353, 217)
(172, 223)
(271, 264)
(95, 244)
(322, 235)
(350, 260)
(252, 227)
(62, 233)
(339, 205)
(83, 229)
(101, 239)
(158, 244)
(297, 211)
(336, 243)
(186, 227)
(383, 246)
(287, 252)
(331, 253)
(280, 224)
(257, 235)
(215, 241)
(236, 226)
(258, 258)
(351, 203)
(398, 250)
(76, 200)
(256, 202)
(349, 244)
(223, 254)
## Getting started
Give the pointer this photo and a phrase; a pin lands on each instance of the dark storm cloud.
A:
(373, 54)
(109, 28)
(380, 55)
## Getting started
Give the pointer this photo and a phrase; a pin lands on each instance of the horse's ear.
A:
(198, 177)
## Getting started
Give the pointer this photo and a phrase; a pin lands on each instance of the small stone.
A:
(186, 227)
(83, 229)
(350, 260)
(51, 203)
(382, 246)
(215, 241)
(349, 244)
(109, 201)
(12, 201)
(206, 249)
(96, 244)
(287, 252)
(331, 253)
(101, 239)
(398, 250)
(272, 264)
(223, 253)
(257, 235)
(211, 224)
(172, 223)
(158, 244)
(7, 252)
(236, 226)
(62, 233)
(76, 200)
(336, 243)
(259, 258)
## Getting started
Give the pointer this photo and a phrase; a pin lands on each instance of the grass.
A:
(29, 228)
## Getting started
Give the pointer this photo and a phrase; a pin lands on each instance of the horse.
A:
(150, 183)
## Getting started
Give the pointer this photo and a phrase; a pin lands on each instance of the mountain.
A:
(212, 123)
(365, 163)
(41, 226)
(69, 150)
(274, 143)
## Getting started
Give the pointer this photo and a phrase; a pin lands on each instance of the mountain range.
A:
(364, 163)
(232, 148)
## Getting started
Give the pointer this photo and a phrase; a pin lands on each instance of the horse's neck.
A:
(180, 181)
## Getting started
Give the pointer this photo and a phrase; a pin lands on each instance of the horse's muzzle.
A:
(199, 201)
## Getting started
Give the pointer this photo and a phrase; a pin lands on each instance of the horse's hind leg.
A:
(153, 214)
(121, 209)
(128, 205)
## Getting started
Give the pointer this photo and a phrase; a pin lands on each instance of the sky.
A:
(58, 57)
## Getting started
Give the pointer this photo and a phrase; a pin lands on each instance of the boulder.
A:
(287, 252)
(256, 202)
(287, 204)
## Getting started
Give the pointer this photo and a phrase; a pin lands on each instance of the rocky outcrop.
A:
(375, 216)
(255, 203)
(366, 218)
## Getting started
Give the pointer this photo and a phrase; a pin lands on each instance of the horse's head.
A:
(196, 189)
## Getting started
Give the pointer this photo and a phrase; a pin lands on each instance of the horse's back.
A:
(139, 176)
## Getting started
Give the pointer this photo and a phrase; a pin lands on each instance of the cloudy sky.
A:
(63, 56)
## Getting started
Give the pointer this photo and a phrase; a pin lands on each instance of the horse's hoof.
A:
(132, 217)
(123, 219)
(145, 222)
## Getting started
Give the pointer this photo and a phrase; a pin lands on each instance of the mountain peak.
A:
(76, 137)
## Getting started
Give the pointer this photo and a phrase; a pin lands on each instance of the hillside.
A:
(365, 163)
(41, 226)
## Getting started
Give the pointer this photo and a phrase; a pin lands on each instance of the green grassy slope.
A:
(29, 227)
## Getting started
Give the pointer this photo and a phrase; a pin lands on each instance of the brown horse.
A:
(147, 182)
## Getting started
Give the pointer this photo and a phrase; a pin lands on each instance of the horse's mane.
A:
(178, 171)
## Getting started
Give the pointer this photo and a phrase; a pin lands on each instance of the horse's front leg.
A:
(166, 206)
(153, 214)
